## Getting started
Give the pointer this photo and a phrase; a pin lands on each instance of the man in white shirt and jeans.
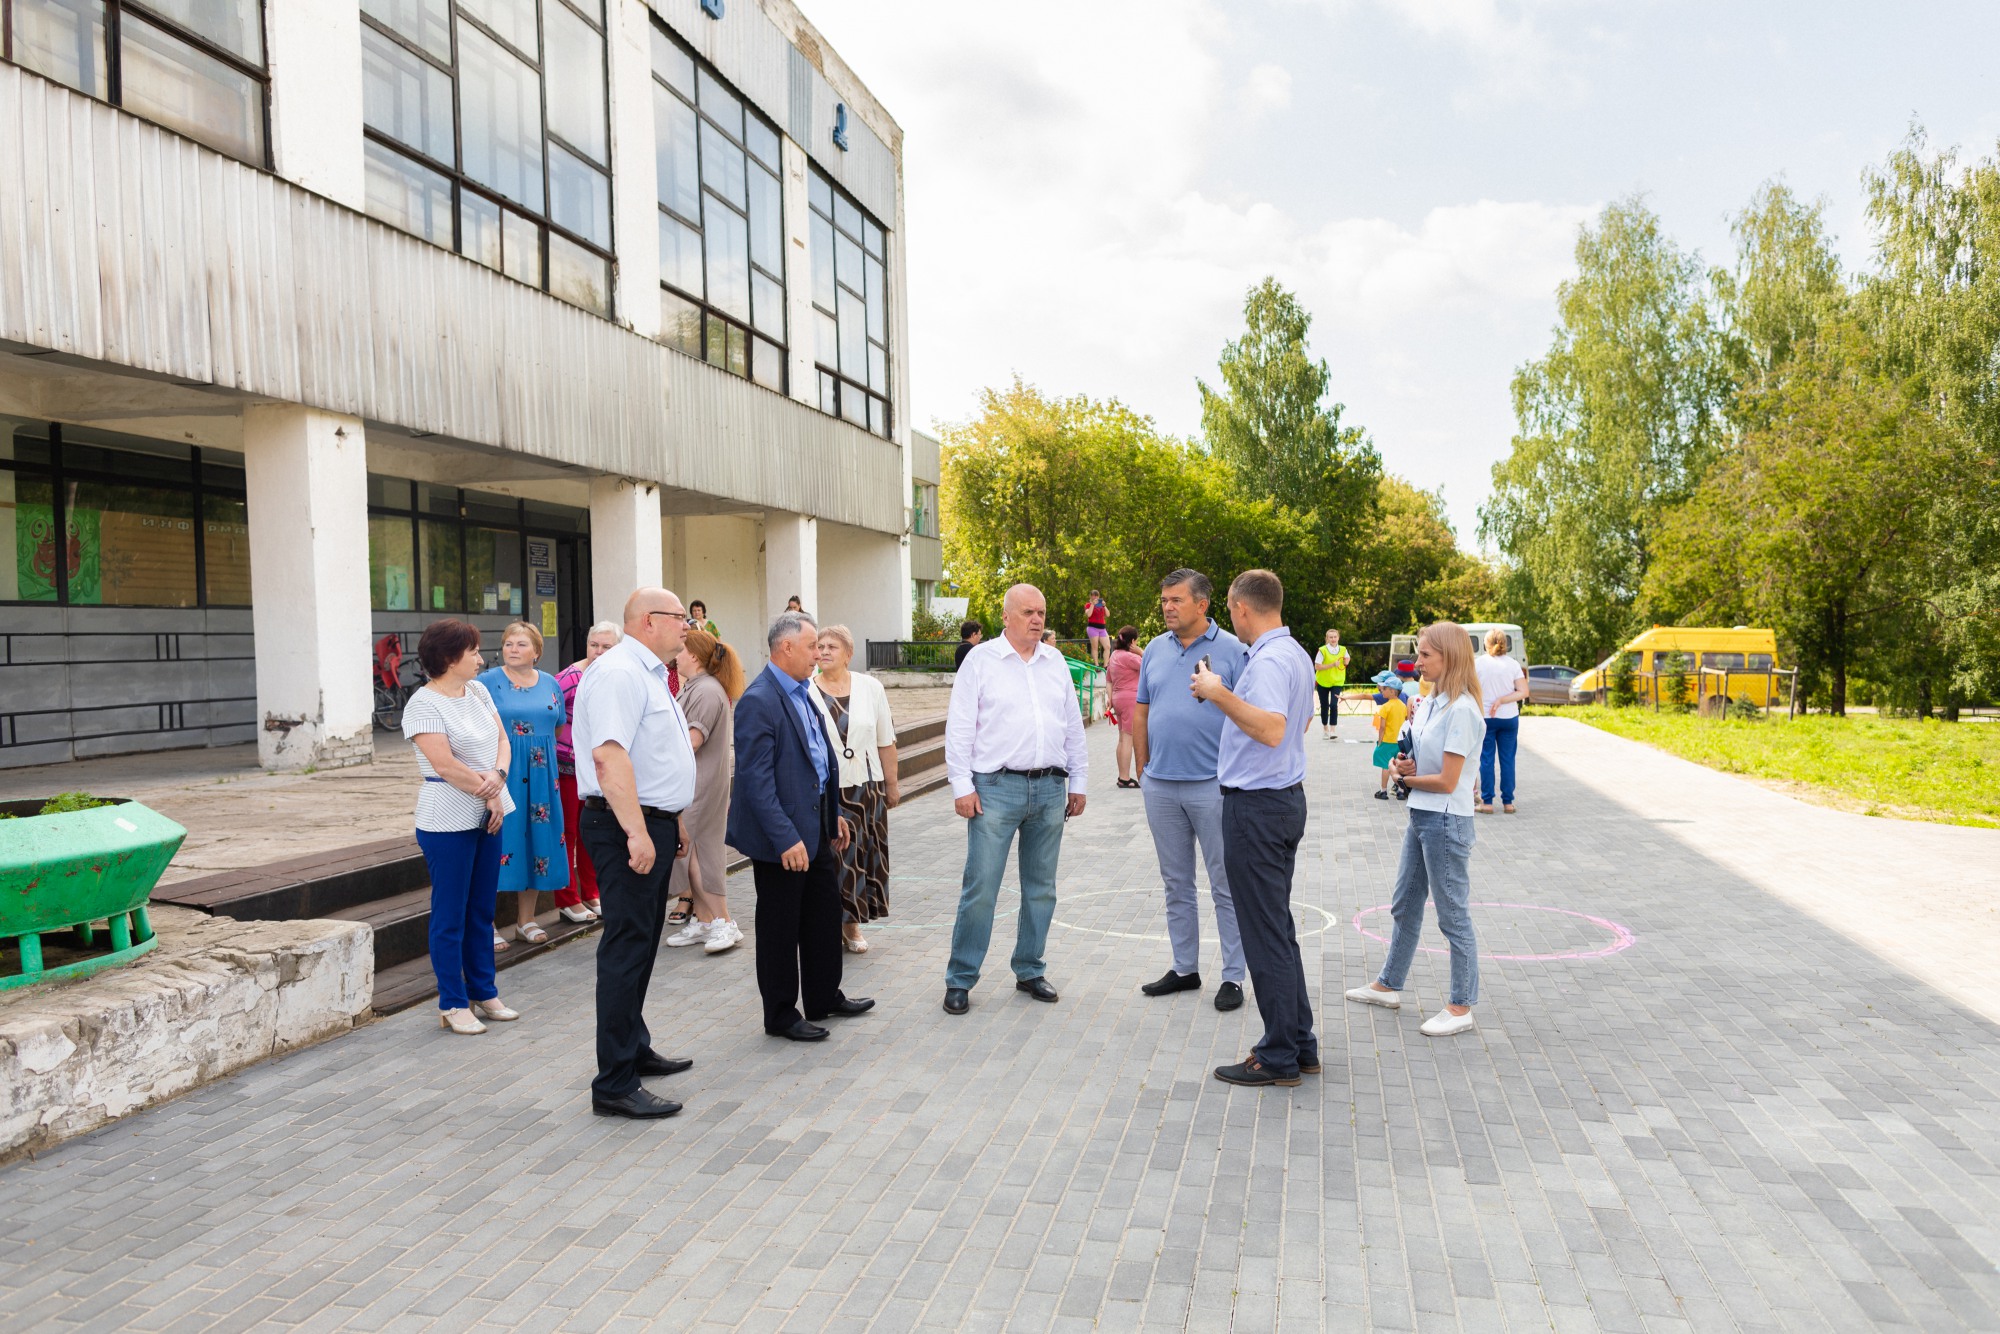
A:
(1014, 752)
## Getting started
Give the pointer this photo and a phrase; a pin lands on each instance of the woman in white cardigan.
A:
(856, 708)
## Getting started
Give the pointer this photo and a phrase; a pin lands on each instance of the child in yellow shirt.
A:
(1389, 716)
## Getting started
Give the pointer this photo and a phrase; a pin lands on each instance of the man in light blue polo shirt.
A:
(1175, 736)
(1261, 767)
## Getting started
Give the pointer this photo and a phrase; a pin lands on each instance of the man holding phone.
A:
(1261, 768)
(1175, 737)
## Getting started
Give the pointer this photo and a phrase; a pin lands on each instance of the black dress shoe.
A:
(1171, 981)
(847, 1009)
(638, 1104)
(1309, 1065)
(1038, 987)
(1229, 996)
(1255, 1074)
(799, 1032)
(663, 1065)
(956, 1000)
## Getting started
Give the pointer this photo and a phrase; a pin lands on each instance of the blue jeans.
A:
(1008, 803)
(1502, 734)
(1436, 851)
(465, 877)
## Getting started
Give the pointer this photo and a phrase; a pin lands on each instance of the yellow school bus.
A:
(1737, 649)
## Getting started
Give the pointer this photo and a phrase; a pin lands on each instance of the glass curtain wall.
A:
(194, 66)
(91, 519)
(850, 291)
(722, 222)
(443, 551)
(487, 133)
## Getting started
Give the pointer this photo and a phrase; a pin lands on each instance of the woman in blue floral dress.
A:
(532, 858)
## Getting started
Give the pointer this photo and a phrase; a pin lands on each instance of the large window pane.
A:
(134, 544)
(500, 105)
(513, 20)
(871, 237)
(878, 305)
(767, 301)
(822, 262)
(847, 253)
(237, 26)
(762, 141)
(426, 23)
(164, 79)
(405, 96)
(721, 105)
(578, 276)
(728, 261)
(819, 193)
(493, 568)
(680, 255)
(878, 368)
(846, 216)
(853, 337)
(829, 393)
(767, 221)
(479, 229)
(225, 550)
(672, 65)
(29, 548)
(579, 196)
(391, 565)
(722, 166)
(854, 405)
(680, 323)
(826, 339)
(767, 364)
(442, 584)
(728, 347)
(404, 193)
(64, 40)
(574, 69)
(520, 249)
(674, 146)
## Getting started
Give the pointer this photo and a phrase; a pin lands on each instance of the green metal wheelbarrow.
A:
(72, 870)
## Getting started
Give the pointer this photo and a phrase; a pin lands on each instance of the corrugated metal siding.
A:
(924, 458)
(926, 558)
(123, 244)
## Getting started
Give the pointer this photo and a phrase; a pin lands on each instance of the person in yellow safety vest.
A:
(1329, 675)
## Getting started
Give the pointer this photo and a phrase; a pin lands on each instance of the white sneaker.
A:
(1388, 1000)
(724, 936)
(694, 933)
(1445, 1024)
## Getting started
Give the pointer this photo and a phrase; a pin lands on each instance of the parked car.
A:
(1549, 684)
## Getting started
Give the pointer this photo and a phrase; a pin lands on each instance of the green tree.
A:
(1407, 569)
(1787, 283)
(1615, 426)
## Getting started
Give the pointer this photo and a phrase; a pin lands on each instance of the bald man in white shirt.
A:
(1014, 752)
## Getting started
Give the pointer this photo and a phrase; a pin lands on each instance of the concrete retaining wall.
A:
(217, 995)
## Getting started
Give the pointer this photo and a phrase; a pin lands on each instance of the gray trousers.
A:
(1182, 813)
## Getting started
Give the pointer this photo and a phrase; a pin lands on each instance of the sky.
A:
(1091, 187)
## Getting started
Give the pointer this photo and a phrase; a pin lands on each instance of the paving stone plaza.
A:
(1689, 1105)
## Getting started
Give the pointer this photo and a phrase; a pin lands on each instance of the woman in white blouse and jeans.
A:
(456, 731)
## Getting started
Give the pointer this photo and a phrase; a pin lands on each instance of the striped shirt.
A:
(467, 724)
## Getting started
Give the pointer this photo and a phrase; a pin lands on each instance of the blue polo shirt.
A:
(1278, 678)
(1181, 731)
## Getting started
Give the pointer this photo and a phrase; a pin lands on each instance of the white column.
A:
(625, 543)
(635, 198)
(315, 60)
(791, 561)
(307, 477)
(798, 275)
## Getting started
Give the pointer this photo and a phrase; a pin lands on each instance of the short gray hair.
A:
(612, 628)
(1198, 586)
(787, 624)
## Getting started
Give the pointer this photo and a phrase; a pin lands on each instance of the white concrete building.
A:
(322, 319)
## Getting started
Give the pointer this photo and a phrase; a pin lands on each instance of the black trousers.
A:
(1329, 704)
(1261, 831)
(634, 909)
(798, 939)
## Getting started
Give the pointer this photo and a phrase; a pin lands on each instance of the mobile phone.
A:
(1203, 664)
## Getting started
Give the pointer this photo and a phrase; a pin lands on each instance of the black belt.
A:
(1292, 788)
(1052, 771)
(650, 812)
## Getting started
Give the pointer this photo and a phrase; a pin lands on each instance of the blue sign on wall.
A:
(712, 8)
(840, 126)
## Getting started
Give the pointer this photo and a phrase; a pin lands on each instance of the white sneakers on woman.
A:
(1368, 995)
(1445, 1024)
(694, 933)
(723, 934)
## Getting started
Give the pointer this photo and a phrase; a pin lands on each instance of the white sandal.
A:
(460, 1022)
(579, 915)
(854, 944)
(499, 941)
(533, 934)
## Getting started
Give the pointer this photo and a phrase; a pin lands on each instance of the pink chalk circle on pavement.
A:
(1622, 937)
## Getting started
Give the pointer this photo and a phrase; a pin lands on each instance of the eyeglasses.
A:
(677, 615)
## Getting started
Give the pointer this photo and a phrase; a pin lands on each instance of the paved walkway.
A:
(1744, 1119)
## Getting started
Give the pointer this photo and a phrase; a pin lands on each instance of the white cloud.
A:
(1268, 89)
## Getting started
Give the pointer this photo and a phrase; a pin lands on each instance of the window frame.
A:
(114, 64)
(462, 184)
(524, 524)
(843, 383)
(707, 310)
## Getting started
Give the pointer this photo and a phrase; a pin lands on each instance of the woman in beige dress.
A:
(711, 681)
(856, 709)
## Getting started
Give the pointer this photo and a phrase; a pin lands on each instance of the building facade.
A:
(322, 319)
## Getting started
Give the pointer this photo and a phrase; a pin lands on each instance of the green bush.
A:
(1624, 682)
(1674, 683)
(64, 802)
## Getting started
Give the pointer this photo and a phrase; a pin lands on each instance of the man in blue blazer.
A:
(784, 815)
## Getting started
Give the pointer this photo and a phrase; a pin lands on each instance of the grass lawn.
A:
(1900, 767)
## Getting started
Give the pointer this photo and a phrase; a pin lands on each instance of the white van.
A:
(1517, 644)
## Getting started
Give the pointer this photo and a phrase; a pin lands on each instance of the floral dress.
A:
(864, 867)
(532, 854)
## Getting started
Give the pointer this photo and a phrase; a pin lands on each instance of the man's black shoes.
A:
(663, 1065)
(799, 1032)
(1171, 982)
(638, 1105)
(1229, 996)
(956, 1000)
(1253, 1073)
(846, 1009)
(1038, 987)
